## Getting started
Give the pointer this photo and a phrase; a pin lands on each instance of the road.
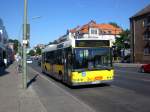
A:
(129, 92)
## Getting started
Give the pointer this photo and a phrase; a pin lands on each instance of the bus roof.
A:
(54, 47)
(70, 42)
(50, 47)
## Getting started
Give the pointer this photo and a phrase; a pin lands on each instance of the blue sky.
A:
(59, 15)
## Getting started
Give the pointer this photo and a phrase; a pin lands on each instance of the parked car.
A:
(145, 68)
(29, 60)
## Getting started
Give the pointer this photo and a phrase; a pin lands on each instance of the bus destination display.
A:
(92, 43)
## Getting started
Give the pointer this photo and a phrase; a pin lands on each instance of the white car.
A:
(29, 60)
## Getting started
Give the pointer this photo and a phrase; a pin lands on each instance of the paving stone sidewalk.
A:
(13, 98)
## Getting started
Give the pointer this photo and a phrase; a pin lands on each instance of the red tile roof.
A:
(103, 27)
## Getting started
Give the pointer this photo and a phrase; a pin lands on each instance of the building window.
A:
(93, 31)
(109, 32)
(147, 35)
(147, 49)
(146, 21)
(100, 32)
(104, 32)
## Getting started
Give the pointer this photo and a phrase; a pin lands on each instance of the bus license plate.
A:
(96, 82)
(98, 78)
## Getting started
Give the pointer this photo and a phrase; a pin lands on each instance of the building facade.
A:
(6, 49)
(140, 36)
(91, 30)
(94, 30)
(3, 40)
(10, 53)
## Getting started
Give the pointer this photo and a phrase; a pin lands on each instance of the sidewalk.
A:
(55, 98)
(13, 98)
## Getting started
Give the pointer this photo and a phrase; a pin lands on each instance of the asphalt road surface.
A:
(129, 92)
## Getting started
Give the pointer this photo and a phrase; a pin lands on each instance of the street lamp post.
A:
(26, 34)
(25, 42)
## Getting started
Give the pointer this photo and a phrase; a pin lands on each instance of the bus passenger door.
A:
(65, 63)
(65, 75)
(67, 57)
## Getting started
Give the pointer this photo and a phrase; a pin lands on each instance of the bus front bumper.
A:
(91, 83)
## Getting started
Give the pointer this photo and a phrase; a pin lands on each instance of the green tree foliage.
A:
(31, 53)
(123, 42)
(50, 43)
(38, 51)
(16, 44)
(114, 24)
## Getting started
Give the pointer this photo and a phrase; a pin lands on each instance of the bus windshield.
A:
(92, 58)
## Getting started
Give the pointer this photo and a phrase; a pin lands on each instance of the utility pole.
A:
(25, 42)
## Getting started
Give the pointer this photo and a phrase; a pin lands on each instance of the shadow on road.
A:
(32, 80)
(90, 86)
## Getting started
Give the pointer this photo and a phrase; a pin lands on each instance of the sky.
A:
(56, 16)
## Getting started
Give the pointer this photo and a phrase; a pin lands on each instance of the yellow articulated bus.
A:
(79, 61)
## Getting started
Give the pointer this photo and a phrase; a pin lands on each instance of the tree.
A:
(114, 24)
(50, 43)
(31, 53)
(123, 42)
(16, 44)
(38, 51)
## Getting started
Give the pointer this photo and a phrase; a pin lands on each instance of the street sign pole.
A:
(24, 75)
